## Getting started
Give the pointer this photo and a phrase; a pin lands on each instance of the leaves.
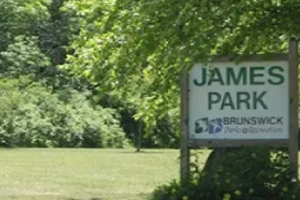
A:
(142, 46)
(20, 17)
(22, 57)
(31, 116)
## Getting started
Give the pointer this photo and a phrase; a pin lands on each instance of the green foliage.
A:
(249, 173)
(22, 57)
(34, 36)
(57, 32)
(20, 17)
(37, 51)
(98, 58)
(164, 133)
(142, 46)
(31, 116)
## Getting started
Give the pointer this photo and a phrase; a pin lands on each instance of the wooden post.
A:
(184, 149)
(293, 109)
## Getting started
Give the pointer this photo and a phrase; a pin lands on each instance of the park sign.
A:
(240, 101)
(248, 100)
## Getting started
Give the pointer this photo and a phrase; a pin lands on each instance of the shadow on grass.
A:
(148, 152)
(143, 196)
(94, 198)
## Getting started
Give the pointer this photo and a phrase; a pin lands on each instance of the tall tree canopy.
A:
(20, 17)
(143, 45)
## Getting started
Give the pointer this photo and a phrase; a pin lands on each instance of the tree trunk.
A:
(215, 161)
(242, 163)
(139, 138)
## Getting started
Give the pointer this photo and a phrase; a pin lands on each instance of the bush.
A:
(164, 134)
(248, 174)
(32, 116)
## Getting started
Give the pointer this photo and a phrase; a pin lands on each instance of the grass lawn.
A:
(85, 174)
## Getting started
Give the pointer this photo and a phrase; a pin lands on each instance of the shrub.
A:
(247, 174)
(32, 116)
(164, 134)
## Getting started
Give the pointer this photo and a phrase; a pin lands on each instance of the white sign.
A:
(245, 101)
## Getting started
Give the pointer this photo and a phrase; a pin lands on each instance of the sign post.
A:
(185, 151)
(253, 102)
(293, 109)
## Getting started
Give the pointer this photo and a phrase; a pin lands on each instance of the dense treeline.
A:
(43, 105)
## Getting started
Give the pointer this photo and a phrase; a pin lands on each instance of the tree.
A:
(23, 57)
(147, 43)
(126, 44)
(39, 106)
(55, 34)
(19, 50)
(20, 17)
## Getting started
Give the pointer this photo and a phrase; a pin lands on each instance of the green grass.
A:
(84, 174)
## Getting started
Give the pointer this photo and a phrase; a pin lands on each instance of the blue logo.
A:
(211, 126)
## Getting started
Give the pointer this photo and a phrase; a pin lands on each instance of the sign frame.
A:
(291, 142)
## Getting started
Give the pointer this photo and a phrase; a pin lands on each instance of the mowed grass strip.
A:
(85, 174)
